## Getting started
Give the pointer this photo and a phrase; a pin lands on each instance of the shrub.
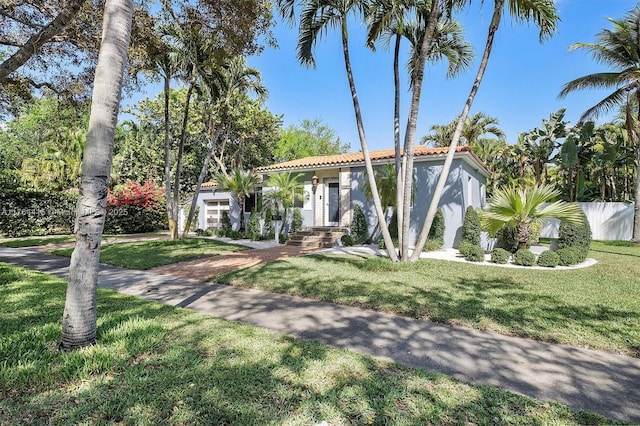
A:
(471, 229)
(347, 240)
(393, 226)
(524, 257)
(475, 254)
(134, 208)
(208, 232)
(568, 256)
(296, 221)
(465, 247)
(236, 235)
(548, 259)
(225, 224)
(27, 212)
(382, 246)
(268, 223)
(199, 232)
(578, 236)
(500, 256)
(283, 238)
(253, 225)
(436, 233)
(359, 226)
(432, 245)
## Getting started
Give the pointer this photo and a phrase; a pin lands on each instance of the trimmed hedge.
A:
(359, 226)
(465, 247)
(548, 259)
(347, 240)
(436, 233)
(471, 229)
(27, 212)
(576, 236)
(570, 256)
(475, 254)
(524, 257)
(133, 208)
(500, 256)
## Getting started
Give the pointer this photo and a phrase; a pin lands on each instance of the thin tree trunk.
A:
(365, 149)
(410, 134)
(396, 138)
(201, 176)
(171, 215)
(183, 137)
(433, 207)
(36, 41)
(79, 318)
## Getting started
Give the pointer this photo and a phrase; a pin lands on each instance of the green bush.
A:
(393, 226)
(296, 221)
(569, 256)
(471, 229)
(381, 244)
(236, 235)
(253, 225)
(200, 232)
(475, 254)
(347, 240)
(548, 259)
(500, 256)
(26, 212)
(578, 236)
(359, 226)
(506, 237)
(208, 232)
(465, 247)
(268, 223)
(524, 257)
(432, 245)
(436, 233)
(225, 224)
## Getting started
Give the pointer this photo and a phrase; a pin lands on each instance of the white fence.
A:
(608, 221)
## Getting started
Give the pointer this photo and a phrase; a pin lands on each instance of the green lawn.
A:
(156, 364)
(37, 241)
(149, 254)
(597, 307)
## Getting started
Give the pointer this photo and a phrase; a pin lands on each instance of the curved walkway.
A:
(583, 379)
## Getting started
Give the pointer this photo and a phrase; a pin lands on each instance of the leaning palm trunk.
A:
(201, 176)
(396, 140)
(632, 130)
(433, 207)
(79, 318)
(365, 149)
(172, 209)
(410, 134)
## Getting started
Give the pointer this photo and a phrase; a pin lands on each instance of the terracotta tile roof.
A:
(211, 184)
(357, 157)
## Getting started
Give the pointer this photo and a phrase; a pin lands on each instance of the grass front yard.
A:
(149, 254)
(156, 364)
(36, 241)
(596, 307)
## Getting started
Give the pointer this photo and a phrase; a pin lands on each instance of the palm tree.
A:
(545, 15)
(230, 81)
(285, 190)
(521, 208)
(618, 49)
(79, 317)
(241, 183)
(480, 124)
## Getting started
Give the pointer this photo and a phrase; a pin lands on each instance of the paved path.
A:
(583, 379)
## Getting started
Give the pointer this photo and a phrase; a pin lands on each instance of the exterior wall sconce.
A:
(314, 182)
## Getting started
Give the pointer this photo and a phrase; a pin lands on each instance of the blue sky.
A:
(520, 87)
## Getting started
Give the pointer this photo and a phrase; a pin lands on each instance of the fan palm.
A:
(522, 207)
(619, 49)
(545, 15)
(285, 190)
(242, 184)
(474, 128)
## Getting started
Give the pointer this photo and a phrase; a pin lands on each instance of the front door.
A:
(332, 203)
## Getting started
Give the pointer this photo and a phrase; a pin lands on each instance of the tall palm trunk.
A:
(433, 207)
(172, 209)
(183, 137)
(79, 318)
(633, 137)
(396, 138)
(201, 176)
(410, 134)
(365, 149)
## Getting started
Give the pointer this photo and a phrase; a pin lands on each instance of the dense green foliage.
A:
(436, 233)
(576, 236)
(29, 212)
(500, 256)
(225, 223)
(359, 226)
(253, 225)
(548, 259)
(296, 221)
(309, 139)
(348, 240)
(465, 247)
(524, 257)
(474, 253)
(570, 256)
(471, 230)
